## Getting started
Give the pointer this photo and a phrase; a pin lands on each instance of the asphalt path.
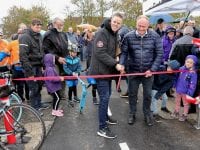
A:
(75, 131)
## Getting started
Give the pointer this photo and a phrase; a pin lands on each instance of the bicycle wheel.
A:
(30, 129)
(15, 98)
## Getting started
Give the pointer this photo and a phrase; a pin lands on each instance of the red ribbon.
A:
(96, 76)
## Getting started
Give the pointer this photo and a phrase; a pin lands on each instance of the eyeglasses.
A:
(39, 24)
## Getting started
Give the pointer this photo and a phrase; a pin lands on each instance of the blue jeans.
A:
(133, 86)
(154, 106)
(104, 91)
(35, 88)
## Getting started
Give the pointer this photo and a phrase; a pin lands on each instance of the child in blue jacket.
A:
(72, 68)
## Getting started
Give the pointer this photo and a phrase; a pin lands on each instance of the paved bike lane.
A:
(78, 131)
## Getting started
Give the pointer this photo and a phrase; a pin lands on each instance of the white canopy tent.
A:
(170, 6)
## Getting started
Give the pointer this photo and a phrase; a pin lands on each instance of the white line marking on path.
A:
(124, 146)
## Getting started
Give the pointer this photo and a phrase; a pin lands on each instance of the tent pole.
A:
(185, 19)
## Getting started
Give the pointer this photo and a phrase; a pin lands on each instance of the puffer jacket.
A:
(144, 53)
(30, 51)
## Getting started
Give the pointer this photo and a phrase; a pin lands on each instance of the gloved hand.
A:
(3, 55)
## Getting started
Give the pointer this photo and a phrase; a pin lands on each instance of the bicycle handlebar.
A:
(6, 74)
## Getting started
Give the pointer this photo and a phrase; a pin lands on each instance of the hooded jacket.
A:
(103, 52)
(52, 85)
(167, 42)
(187, 80)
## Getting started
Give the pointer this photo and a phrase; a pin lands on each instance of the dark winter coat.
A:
(52, 85)
(30, 51)
(181, 48)
(103, 53)
(144, 53)
(162, 83)
(56, 43)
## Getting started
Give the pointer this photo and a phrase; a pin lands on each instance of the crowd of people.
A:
(112, 49)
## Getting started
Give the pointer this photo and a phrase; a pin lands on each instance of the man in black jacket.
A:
(31, 55)
(55, 42)
(103, 62)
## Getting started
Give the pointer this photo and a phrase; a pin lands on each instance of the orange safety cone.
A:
(8, 122)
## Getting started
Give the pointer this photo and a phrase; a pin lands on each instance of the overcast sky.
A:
(56, 7)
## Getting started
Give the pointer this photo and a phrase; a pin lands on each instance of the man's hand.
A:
(32, 78)
(148, 74)
(61, 60)
(62, 78)
(120, 68)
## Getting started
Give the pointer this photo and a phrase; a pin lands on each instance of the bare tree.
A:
(102, 6)
(17, 15)
(84, 9)
(130, 8)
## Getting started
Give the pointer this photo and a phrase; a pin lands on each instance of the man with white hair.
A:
(55, 42)
(182, 47)
(196, 33)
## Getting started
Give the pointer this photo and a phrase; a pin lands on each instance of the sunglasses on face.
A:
(39, 24)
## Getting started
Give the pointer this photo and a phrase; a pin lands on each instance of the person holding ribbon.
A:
(143, 47)
(103, 62)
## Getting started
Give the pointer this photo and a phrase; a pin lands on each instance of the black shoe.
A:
(71, 103)
(125, 95)
(76, 99)
(95, 101)
(119, 90)
(44, 106)
(111, 121)
(165, 109)
(131, 119)
(157, 118)
(148, 120)
(105, 132)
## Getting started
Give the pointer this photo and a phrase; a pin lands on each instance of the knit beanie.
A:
(193, 57)
(174, 64)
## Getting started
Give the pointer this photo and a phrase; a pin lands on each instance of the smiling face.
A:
(142, 25)
(189, 63)
(171, 35)
(116, 23)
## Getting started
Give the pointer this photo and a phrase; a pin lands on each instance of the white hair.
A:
(188, 30)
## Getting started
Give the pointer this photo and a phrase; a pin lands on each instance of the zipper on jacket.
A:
(141, 45)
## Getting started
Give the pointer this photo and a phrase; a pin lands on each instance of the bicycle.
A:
(28, 127)
(7, 89)
(13, 96)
